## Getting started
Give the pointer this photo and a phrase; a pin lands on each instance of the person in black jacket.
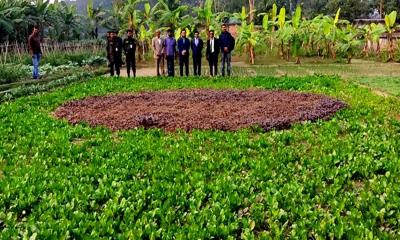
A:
(114, 53)
(130, 50)
(197, 48)
(212, 52)
(183, 51)
(227, 44)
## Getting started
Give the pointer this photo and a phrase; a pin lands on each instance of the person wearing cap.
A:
(212, 53)
(130, 50)
(114, 53)
(157, 44)
(170, 52)
(227, 44)
(197, 48)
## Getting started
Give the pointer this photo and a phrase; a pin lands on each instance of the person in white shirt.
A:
(212, 52)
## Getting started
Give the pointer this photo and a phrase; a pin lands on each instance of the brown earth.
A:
(200, 109)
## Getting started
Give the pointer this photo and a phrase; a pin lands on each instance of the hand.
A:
(226, 49)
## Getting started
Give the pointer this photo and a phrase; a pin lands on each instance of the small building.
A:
(233, 25)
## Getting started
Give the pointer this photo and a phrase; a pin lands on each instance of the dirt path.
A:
(149, 70)
(141, 72)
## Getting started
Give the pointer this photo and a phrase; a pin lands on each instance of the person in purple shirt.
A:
(183, 50)
(170, 51)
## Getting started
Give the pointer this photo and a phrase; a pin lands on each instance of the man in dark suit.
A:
(197, 48)
(114, 53)
(183, 51)
(130, 50)
(212, 52)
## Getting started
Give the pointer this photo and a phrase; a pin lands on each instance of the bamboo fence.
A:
(10, 52)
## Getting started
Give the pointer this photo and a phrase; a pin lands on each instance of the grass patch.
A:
(328, 179)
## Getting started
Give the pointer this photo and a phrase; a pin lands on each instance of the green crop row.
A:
(322, 180)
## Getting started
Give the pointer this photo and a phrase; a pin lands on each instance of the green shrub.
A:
(12, 73)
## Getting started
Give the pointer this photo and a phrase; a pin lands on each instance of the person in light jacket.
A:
(157, 44)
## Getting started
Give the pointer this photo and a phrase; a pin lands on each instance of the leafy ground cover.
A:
(375, 75)
(12, 74)
(328, 179)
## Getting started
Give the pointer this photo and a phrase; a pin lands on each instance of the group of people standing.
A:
(116, 47)
(169, 49)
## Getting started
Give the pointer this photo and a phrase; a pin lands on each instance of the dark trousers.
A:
(184, 61)
(213, 62)
(197, 65)
(130, 64)
(170, 66)
(115, 67)
(226, 60)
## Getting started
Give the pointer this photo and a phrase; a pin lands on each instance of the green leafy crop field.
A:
(326, 179)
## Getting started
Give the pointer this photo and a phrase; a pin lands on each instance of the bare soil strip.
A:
(200, 109)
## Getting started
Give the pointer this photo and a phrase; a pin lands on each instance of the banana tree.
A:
(167, 16)
(390, 21)
(248, 36)
(350, 42)
(132, 14)
(145, 35)
(205, 15)
(67, 24)
(11, 16)
(115, 19)
(268, 26)
(95, 16)
(372, 34)
(274, 12)
(329, 32)
(297, 34)
(283, 33)
(376, 33)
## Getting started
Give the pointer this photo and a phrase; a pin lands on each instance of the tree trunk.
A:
(251, 6)
(333, 51)
(378, 46)
(281, 50)
(365, 50)
(144, 54)
(298, 60)
(252, 55)
(288, 53)
(349, 59)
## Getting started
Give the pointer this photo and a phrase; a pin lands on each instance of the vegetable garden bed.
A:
(200, 109)
(318, 180)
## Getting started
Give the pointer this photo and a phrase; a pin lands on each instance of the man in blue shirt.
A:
(197, 48)
(170, 51)
(183, 50)
(227, 44)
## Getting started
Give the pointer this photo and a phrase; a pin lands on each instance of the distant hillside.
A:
(107, 4)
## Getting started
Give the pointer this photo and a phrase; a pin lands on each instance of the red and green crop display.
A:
(336, 178)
